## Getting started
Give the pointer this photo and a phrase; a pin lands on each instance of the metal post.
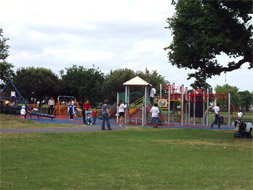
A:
(186, 101)
(168, 104)
(189, 108)
(203, 102)
(126, 95)
(161, 90)
(145, 105)
(194, 107)
(207, 107)
(182, 104)
(229, 109)
(117, 115)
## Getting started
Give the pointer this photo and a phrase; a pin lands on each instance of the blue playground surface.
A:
(113, 123)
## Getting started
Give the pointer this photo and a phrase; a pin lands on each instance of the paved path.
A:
(86, 128)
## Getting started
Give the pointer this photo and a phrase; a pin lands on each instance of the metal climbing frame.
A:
(190, 98)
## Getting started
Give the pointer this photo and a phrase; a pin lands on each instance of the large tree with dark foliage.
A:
(39, 83)
(83, 83)
(203, 29)
(6, 72)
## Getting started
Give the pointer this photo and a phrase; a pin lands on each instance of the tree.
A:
(113, 83)
(6, 72)
(203, 29)
(235, 98)
(153, 78)
(83, 83)
(246, 99)
(37, 82)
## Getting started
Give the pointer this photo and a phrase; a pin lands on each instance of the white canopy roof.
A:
(136, 81)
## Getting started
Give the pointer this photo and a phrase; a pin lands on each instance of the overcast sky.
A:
(109, 34)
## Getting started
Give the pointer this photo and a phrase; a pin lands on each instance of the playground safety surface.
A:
(91, 128)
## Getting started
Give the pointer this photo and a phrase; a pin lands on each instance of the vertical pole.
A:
(194, 107)
(189, 116)
(229, 109)
(117, 115)
(161, 90)
(169, 104)
(186, 104)
(127, 114)
(207, 106)
(182, 104)
(203, 102)
(145, 107)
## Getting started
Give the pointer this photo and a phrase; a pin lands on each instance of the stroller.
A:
(242, 129)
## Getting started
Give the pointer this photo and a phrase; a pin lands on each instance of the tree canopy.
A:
(83, 83)
(6, 72)
(37, 82)
(246, 99)
(235, 98)
(203, 29)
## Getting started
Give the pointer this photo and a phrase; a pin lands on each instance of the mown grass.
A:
(10, 121)
(136, 158)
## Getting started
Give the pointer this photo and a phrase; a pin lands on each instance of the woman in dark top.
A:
(105, 113)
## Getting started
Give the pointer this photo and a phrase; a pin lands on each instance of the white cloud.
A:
(110, 34)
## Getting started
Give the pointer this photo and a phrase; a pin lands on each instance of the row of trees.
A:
(80, 82)
(94, 85)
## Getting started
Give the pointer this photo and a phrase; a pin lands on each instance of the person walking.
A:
(217, 116)
(105, 113)
(155, 115)
(121, 110)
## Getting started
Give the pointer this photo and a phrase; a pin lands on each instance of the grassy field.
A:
(136, 158)
(9, 121)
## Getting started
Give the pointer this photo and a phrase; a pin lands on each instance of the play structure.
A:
(193, 105)
(61, 107)
(137, 102)
(177, 104)
(12, 104)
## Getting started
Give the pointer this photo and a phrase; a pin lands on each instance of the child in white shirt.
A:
(155, 115)
(22, 112)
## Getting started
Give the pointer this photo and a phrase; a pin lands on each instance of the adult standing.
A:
(105, 113)
(152, 95)
(86, 107)
(51, 105)
(121, 110)
(217, 116)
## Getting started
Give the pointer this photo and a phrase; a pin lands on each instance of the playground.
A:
(53, 152)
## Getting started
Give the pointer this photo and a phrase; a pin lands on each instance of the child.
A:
(22, 112)
(121, 110)
(89, 122)
(71, 110)
(94, 115)
(155, 111)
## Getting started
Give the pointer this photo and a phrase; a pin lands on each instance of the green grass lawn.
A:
(10, 121)
(136, 158)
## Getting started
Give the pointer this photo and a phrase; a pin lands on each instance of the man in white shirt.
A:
(155, 115)
(217, 116)
(152, 95)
